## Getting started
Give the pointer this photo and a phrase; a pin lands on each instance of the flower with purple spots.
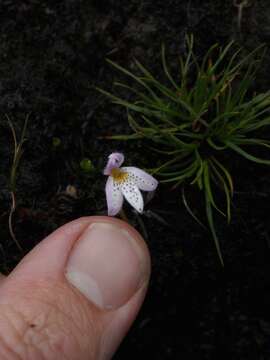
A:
(125, 182)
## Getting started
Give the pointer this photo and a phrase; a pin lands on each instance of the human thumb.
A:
(75, 295)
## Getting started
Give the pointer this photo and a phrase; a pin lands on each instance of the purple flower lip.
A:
(115, 160)
(125, 183)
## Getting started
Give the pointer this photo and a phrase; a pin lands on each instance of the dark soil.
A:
(52, 55)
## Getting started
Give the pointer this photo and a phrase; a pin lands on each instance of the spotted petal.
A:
(114, 197)
(133, 195)
(143, 180)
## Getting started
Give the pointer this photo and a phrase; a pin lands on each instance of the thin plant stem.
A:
(240, 6)
(10, 218)
(13, 173)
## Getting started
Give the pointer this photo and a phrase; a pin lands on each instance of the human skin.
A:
(75, 295)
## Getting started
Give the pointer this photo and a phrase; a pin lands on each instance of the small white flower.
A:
(125, 182)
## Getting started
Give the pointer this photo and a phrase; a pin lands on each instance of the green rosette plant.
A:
(196, 119)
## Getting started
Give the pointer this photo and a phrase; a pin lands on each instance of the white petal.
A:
(143, 180)
(114, 197)
(133, 195)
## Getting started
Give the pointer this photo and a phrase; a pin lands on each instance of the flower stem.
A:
(123, 215)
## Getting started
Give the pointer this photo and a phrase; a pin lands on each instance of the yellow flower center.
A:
(118, 175)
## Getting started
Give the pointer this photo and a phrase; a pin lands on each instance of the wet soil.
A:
(52, 56)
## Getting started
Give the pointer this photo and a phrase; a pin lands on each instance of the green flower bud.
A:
(86, 165)
(56, 141)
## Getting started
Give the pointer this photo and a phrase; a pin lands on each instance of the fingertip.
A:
(109, 263)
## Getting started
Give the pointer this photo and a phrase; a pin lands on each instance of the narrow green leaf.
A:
(191, 213)
(226, 173)
(246, 155)
(208, 188)
(209, 215)
(166, 70)
(222, 182)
